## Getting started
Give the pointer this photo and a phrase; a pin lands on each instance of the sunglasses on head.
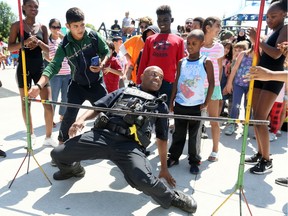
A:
(143, 27)
(56, 27)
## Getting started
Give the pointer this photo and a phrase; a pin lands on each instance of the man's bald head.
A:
(152, 78)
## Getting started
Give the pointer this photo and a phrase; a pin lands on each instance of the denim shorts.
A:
(217, 94)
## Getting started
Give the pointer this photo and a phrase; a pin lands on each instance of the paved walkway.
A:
(104, 192)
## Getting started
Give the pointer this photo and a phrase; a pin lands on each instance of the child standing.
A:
(226, 62)
(237, 84)
(265, 92)
(112, 70)
(86, 82)
(215, 52)
(188, 93)
(164, 50)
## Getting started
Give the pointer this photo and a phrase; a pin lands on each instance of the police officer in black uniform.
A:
(122, 138)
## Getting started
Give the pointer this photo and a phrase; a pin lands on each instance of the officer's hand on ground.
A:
(33, 92)
(75, 128)
(166, 175)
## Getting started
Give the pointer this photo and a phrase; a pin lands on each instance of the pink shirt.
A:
(214, 53)
(53, 45)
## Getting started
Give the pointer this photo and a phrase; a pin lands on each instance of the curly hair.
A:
(148, 20)
(164, 9)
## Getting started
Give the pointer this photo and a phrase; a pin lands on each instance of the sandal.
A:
(171, 162)
(213, 157)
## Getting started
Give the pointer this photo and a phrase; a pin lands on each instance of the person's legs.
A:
(237, 96)
(75, 96)
(137, 171)
(88, 146)
(193, 147)
(213, 110)
(55, 84)
(179, 135)
(261, 112)
(45, 94)
(65, 80)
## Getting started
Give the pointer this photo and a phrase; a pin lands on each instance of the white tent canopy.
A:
(247, 13)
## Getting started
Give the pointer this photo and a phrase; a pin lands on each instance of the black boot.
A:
(184, 202)
(75, 170)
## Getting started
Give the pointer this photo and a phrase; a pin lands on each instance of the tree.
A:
(91, 26)
(7, 17)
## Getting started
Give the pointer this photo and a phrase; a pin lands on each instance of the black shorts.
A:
(34, 69)
(272, 86)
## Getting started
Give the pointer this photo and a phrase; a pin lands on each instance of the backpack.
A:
(92, 34)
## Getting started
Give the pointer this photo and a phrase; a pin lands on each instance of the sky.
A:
(107, 11)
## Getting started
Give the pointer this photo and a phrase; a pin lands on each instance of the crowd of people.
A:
(200, 69)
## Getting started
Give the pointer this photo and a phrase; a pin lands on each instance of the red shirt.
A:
(164, 51)
(112, 80)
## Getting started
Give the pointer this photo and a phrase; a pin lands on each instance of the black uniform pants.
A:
(124, 152)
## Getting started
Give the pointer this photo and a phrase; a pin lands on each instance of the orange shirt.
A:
(133, 46)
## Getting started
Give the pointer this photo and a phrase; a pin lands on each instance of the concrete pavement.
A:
(103, 191)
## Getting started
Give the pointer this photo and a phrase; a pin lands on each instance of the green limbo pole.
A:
(23, 57)
(239, 184)
(26, 101)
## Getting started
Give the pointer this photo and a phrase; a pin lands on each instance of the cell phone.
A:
(95, 61)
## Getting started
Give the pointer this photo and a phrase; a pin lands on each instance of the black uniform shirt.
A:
(161, 124)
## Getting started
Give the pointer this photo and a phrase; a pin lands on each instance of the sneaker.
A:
(262, 167)
(272, 137)
(230, 129)
(74, 171)
(50, 142)
(279, 133)
(171, 162)
(2, 154)
(52, 163)
(282, 181)
(254, 159)
(194, 168)
(184, 202)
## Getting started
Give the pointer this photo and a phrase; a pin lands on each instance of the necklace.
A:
(31, 30)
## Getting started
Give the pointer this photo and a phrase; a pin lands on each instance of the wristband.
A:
(39, 86)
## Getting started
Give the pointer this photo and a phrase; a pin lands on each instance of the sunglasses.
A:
(56, 27)
(143, 27)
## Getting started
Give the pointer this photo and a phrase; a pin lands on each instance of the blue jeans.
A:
(238, 92)
(57, 83)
